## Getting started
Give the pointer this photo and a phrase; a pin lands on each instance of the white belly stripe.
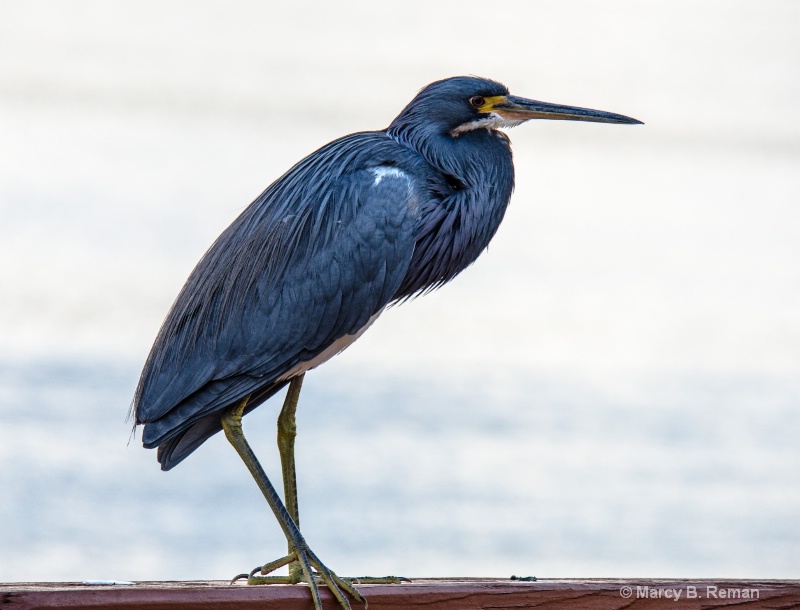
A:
(334, 348)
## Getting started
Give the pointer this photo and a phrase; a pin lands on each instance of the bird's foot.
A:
(314, 572)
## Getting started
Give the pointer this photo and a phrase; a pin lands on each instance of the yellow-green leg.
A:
(287, 431)
(299, 549)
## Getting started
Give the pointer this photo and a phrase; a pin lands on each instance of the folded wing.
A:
(303, 270)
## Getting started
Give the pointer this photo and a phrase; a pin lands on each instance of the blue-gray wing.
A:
(311, 261)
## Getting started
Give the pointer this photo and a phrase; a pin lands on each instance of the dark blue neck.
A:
(457, 226)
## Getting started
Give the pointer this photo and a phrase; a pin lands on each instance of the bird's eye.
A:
(477, 101)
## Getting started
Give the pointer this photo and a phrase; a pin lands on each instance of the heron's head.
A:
(464, 103)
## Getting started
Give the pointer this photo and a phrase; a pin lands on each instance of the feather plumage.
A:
(367, 220)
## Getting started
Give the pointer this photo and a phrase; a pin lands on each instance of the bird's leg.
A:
(287, 431)
(232, 425)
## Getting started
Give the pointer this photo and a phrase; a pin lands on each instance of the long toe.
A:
(314, 573)
(377, 580)
(337, 585)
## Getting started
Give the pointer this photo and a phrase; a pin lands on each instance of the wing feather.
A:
(312, 260)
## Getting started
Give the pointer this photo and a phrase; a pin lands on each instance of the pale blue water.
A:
(612, 390)
(696, 477)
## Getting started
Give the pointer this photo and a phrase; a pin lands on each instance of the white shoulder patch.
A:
(382, 172)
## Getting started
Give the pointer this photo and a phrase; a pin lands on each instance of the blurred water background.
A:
(612, 390)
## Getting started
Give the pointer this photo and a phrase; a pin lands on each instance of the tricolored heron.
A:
(368, 220)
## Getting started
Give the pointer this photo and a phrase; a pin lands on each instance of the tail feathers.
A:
(175, 450)
(176, 447)
(212, 398)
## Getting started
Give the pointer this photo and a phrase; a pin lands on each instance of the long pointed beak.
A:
(516, 108)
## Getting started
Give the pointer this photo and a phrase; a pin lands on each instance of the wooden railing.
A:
(439, 594)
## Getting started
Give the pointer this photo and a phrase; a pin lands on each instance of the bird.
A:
(369, 220)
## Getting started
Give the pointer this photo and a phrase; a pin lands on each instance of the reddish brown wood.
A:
(444, 594)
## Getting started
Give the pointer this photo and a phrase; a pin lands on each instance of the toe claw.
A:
(240, 577)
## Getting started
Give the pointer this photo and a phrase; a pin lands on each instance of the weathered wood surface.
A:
(446, 594)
